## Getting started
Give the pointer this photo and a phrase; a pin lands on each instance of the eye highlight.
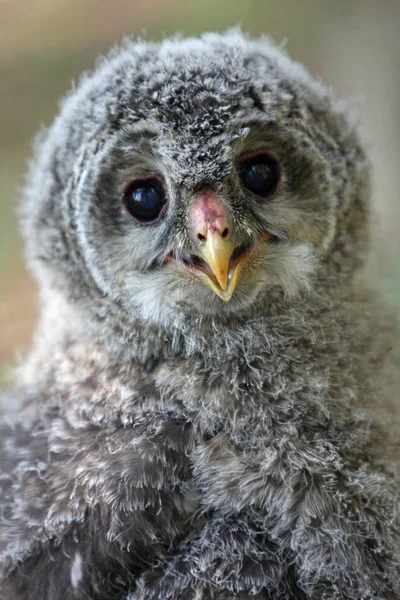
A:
(260, 174)
(145, 200)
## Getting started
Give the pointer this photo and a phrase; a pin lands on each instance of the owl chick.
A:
(209, 407)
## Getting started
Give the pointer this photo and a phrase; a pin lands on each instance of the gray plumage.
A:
(172, 445)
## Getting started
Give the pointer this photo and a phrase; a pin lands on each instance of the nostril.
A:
(201, 237)
(225, 233)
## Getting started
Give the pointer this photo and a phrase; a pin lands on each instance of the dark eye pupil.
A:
(260, 176)
(144, 200)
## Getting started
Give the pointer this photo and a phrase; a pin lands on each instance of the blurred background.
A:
(45, 45)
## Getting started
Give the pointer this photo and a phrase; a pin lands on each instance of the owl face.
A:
(207, 178)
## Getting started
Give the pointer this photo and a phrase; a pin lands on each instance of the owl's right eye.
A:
(145, 200)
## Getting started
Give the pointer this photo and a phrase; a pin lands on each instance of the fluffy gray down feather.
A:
(171, 445)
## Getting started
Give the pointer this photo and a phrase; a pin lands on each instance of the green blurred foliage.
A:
(46, 44)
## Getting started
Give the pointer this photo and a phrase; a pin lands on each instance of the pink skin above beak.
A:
(207, 215)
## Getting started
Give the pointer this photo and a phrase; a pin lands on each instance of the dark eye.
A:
(145, 200)
(260, 175)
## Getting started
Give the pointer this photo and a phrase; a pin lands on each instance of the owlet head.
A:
(209, 177)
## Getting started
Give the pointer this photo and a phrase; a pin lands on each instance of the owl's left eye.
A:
(260, 174)
(145, 200)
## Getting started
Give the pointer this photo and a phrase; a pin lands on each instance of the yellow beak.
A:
(217, 252)
(222, 277)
